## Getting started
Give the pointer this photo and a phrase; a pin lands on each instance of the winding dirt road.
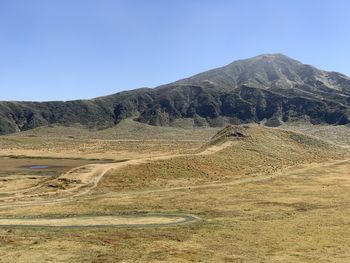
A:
(147, 220)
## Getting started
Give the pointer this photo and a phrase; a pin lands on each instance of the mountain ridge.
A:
(269, 88)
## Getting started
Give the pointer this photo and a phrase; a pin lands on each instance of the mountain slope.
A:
(270, 88)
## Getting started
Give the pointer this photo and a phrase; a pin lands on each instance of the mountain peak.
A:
(274, 56)
(268, 58)
(262, 70)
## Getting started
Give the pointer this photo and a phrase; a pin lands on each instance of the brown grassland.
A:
(262, 194)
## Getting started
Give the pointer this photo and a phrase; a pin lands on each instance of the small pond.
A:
(38, 167)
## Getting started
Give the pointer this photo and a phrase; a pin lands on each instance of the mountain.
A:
(269, 88)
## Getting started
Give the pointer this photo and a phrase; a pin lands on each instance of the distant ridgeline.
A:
(269, 88)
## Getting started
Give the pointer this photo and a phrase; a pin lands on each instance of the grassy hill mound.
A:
(254, 151)
(269, 138)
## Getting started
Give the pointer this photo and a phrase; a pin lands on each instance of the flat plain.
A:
(255, 194)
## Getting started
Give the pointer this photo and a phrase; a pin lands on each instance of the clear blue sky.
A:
(68, 49)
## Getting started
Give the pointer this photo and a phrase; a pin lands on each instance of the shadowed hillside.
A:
(269, 88)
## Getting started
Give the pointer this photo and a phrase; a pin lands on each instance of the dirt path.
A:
(147, 220)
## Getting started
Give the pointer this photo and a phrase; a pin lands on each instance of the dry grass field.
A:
(335, 134)
(261, 194)
(128, 140)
